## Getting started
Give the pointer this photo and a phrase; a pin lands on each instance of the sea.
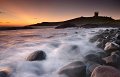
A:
(62, 46)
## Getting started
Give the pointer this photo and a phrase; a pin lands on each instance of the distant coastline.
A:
(85, 22)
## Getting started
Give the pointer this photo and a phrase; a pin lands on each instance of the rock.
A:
(74, 69)
(105, 71)
(113, 60)
(90, 66)
(94, 58)
(111, 47)
(37, 56)
(117, 42)
(76, 32)
(109, 60)
(102, 43)
(101, 54)
(117, 36)
(66, 25)
(5, 72)
(116, 53)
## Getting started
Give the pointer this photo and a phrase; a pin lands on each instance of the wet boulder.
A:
(111, 47)
(74, 69)
(90, 66)
(116, 53)
(102, 43)
(105, 71)
(5, 72)
(113, 60)
(93, 58)
(37, 56)
(101, 54)
(109, 60)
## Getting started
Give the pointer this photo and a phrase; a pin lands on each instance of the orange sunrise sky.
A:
(25, 12)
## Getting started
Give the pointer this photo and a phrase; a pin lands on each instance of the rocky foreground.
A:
(101, 64)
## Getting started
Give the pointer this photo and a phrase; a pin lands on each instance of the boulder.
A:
(102, 43)
(94, 58)
(66, 25)
(111, 47)
(74, 69)
(105, 71)
(113, 60)
(37, 56)
(3, 74)
(90, 66)
(109, 60)
(5, 71)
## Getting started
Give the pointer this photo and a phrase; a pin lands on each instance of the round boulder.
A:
(74, 69)
(105, 71)
(37, 56)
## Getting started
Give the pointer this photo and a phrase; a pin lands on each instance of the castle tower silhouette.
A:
(96, 14)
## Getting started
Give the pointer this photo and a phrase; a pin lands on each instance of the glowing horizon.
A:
(25, 12)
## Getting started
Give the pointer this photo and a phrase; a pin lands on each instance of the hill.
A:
(99, 21)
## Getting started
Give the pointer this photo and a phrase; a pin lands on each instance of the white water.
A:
(61, 46)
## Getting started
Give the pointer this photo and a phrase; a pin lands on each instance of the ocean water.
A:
(62, 46)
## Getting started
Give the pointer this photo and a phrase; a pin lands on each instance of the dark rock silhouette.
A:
(74, 69)
(37, 56)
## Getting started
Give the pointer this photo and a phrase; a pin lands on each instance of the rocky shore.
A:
(100, 64)
(104, 63)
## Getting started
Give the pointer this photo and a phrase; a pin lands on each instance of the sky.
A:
(25, 12)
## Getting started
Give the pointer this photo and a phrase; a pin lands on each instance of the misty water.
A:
(62, 46)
